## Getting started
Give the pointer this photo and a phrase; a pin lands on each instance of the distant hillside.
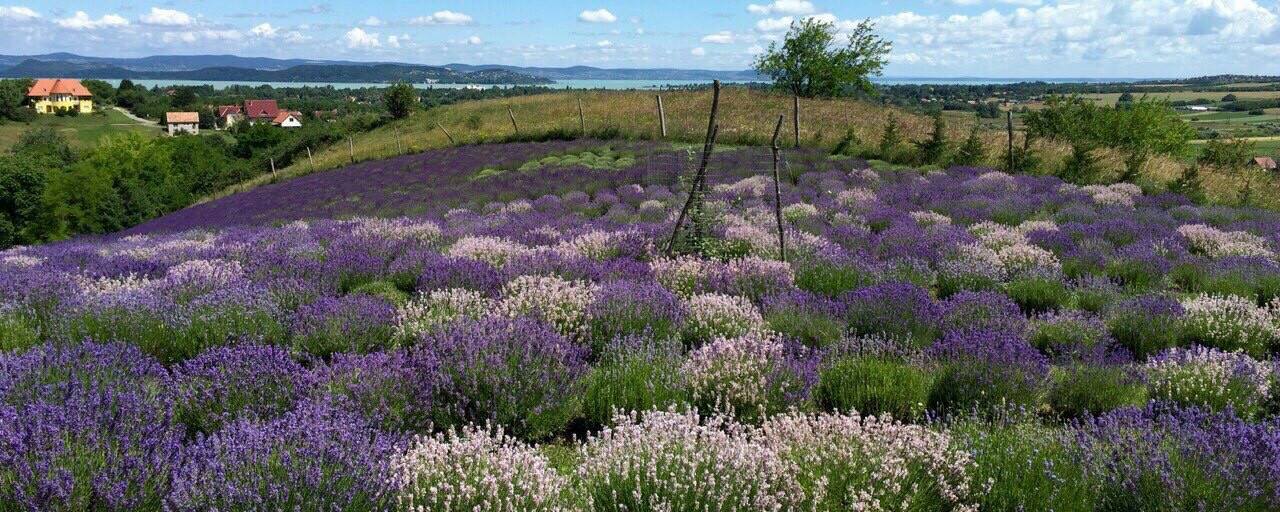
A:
(200, 62)
(593, 73)
(301, 73)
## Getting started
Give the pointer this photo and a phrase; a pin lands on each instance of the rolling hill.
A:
(301, 73)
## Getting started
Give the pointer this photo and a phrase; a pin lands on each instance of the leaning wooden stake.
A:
(582, 119)
(310, 160)
(795, 118)
(777, 192)
(351, 147)
(1009, 117)
(696, 190)
(662, 117)
(512, 115)
(399, 149)
(273, 167)
(446, 133)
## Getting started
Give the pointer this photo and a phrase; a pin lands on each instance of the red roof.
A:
(284, 115)
(181, 117)
(49, 86)
(261, 109)
(225, 110)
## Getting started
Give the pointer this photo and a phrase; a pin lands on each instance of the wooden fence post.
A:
(513, 120)
(696, 190)
(795, 108)
(351, 147)
(310, 160)
(582, 119)
(446, 133)
(273, 167)
(662, 117)
(399, 149)
(1009, 117)
(777, 191)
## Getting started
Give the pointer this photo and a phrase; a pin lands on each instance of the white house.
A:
(182, 122)
(286, 119)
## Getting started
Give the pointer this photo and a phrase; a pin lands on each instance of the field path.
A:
(1251, 139)
(140, 120)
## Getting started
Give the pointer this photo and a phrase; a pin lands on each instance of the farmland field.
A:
(81, 131)
(1112, 98)
(501, 327)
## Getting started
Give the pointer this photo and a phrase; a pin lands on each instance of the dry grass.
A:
(746, 117)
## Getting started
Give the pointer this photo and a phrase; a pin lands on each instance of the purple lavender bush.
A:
(352, 323)
(986, 371)
(224, 384)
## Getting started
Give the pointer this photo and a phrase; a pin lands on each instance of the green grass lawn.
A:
(82, 131)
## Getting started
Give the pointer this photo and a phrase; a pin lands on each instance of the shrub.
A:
(828, 278)
(873, 386)
(1229, 323)
(1071, 336)
(627, 308)
(1038, 295)
(675, 461)
(1028, 466)
(560, 303)
(85, 427)
(852, 462)
(1145, 324)
(434, 310)
(317, 457)
(1080, 391)
(747, 377)
(228, 383)
(986, 372)
(719, 316)
(516, 373)
(353, 323)
(1211, 379)
(981, 310)
(811, 319)
(393, 390)
(894, 309)
(477, 469)
(638, 375)
(16, 333)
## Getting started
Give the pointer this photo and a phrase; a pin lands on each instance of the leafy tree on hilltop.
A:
(13, 98)
(103, 93)
(810, 63)
(1141, 128)
(401, 99)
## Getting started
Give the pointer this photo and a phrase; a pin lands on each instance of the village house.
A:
(182, 122)
(51, 95)
(228, 115)
(261, 111)
(286, 119)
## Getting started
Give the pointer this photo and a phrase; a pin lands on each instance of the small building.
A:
(1265, 162)
(261, 111)
(51, 95)
(182, 122)
(286, 119)
(229, 115)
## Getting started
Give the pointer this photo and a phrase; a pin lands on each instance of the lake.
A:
(618, 84)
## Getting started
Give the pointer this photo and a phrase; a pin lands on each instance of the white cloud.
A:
(597, 16)
(474, 40)
(442, 18)
(167, 18)
(193, 36)
(17, 13)
(372, 21)
(358, 38)
(755, 49)
(721, 37)
(264, 30)
(774, 24)
(604, 43)
(782, 7)
(82, 21)
(394, 41)
(698, 52)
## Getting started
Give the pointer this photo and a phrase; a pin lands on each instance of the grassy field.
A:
(81, 131)
(1112, 98)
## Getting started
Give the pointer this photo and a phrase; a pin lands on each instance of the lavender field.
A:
(422, 334)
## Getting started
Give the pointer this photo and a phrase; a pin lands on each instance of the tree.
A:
(934, 150)
(22, 182)
(849, 145)
(891, 139)
(103, 93)
(972, 151)
(1126, 97)
(44, 142)
(13, 98)
(809, 63)
(1230, 98)
(401, 100)
(1227, 154)
(184, 97)
(1081, 167)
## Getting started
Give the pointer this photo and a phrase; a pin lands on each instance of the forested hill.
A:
(372, 73)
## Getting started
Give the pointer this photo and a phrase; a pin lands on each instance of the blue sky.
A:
(991, 38)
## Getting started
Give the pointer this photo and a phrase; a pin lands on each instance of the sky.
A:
(932, 38)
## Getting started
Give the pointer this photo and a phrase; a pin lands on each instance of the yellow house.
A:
(48, 95)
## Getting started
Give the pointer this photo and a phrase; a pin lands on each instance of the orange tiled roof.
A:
(181, 117)
(225, 110)
(282, 116)
(49, 86)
